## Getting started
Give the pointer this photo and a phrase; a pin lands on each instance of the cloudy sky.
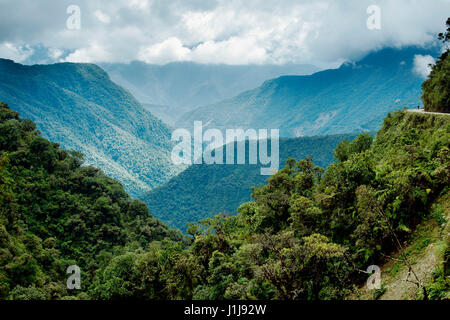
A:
(212, 31)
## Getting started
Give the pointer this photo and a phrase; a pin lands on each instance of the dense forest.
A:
(203, 190)
(55, 213)
(305, 235)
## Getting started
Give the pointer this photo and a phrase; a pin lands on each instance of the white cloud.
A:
(169, 50)
(234, 51)
(138, 4)
(102, 17)
(231, 51)
(422, 65)
(93, 53)
(220, 31)
(16, 53)
(55, 53)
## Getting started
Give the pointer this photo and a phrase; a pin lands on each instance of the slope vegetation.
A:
(79, 107)
(55, 213)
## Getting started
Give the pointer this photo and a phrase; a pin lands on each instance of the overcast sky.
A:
(213, 31)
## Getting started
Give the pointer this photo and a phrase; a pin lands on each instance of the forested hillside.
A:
(353, 98)
(436, 89)
(308, 232)
(202, 191)
(55, 213)
(304, 235)
(79, 107)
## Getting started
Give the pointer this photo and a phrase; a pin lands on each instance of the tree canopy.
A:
(436, 89)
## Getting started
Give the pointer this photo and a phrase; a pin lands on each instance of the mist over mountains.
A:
(170, 90)
(353, 98)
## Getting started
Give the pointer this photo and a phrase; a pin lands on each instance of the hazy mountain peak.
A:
(353, 98)
(183, 86)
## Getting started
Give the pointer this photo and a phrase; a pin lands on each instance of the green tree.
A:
(346, 148)
(436, 89)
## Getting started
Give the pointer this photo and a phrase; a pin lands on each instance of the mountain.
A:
(184, 86)
(165, 113)
(354, 98)
(79, 107)
(203, 190)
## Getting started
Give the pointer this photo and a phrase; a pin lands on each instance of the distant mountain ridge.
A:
(353, 98)
(79, 107)
(183, 86)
